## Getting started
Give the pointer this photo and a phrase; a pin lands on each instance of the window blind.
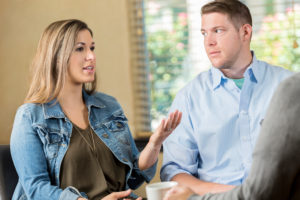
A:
(140, 72)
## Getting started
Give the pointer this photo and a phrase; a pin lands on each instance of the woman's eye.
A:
(92, 48)
(79, 49)
(204, 33)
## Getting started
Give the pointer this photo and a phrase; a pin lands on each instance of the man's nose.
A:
(210, 40)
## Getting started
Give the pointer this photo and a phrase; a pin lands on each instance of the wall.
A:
(22, 22)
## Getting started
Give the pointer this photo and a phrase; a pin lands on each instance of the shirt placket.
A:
(244, 125)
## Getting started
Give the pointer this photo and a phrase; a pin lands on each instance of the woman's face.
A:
(82, 62)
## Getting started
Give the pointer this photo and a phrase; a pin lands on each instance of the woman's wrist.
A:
(154, 143)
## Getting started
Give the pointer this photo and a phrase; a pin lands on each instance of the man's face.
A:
(223, 42)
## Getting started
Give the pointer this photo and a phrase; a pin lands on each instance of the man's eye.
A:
(219, 30)
(79, 49)
(92, 48)
(204, 34)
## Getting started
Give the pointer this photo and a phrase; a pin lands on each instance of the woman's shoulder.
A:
(104, 100)
(31, 111)
(29, 107)
(103, 96)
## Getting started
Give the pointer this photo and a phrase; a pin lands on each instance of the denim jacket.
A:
(41, 136)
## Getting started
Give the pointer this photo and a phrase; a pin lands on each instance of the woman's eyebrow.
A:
(82, 43)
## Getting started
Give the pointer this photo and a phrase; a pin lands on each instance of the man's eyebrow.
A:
(212, 28)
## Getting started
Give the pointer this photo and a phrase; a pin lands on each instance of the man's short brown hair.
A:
(237, 12)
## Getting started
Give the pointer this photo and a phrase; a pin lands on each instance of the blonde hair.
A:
(49, 66)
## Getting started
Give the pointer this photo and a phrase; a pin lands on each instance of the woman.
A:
(69, 142)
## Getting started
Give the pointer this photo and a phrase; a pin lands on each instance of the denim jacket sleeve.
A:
(28, 155)
(137, 176)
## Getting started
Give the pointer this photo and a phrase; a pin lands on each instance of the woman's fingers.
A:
(121, 194)
(168, 122)
(177, 119)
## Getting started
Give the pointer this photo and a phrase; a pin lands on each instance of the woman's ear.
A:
(246, 32)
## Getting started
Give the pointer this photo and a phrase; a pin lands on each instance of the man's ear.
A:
(246, 32)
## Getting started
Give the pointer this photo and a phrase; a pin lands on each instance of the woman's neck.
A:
(71, 97)
(72, 104)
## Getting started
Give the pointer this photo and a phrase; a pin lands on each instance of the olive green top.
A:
(90, 166)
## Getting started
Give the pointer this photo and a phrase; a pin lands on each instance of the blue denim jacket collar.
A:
(53, 109)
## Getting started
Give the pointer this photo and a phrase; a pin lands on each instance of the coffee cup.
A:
(157, 191)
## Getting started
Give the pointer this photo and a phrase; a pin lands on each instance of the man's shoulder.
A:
(195, 88)
(275, 70)
(201, 81)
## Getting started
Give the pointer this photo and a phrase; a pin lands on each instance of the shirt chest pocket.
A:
(52, 140)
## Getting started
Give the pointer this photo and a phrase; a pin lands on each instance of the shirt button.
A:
(243, 112)
(105, 135)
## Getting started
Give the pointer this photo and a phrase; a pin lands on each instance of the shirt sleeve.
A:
(180, 152)
(31, 163)
(276, 157)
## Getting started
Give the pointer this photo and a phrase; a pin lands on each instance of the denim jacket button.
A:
(105, 135)
(125, 160)
(119, 125)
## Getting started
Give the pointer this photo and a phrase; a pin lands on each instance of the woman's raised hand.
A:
(166, 127)
(150, 153)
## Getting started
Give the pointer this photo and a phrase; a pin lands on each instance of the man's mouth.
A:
(214, 53)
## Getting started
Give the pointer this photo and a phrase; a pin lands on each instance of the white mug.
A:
(157, 191)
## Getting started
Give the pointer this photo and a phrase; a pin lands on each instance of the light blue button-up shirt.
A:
(220, 124)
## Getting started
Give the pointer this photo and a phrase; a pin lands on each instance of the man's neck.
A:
(237, 70)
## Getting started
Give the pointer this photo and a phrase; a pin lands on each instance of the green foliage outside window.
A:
(167, 49)
(276, 42)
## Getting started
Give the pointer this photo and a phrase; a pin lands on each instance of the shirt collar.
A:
(253, 72)
(217, 77)
(53, 109)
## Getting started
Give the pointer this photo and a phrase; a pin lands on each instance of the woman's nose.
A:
(90, 55)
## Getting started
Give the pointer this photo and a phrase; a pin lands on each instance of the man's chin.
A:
(217, 65)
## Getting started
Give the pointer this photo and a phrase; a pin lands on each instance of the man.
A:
(275, 173)
(223, 108)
